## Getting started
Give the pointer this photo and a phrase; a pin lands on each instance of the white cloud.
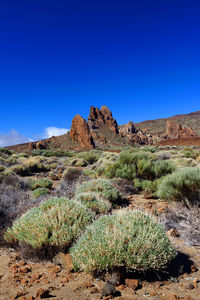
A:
(54, 131)
(12, 138)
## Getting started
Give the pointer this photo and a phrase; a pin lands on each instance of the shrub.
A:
(14, 200)
(186, 221)
(183, 185)
(139, 164)
(50, 153)
(189, 153)
(104, 187)
(162, 168)
(90, 156)
(94, 201)
(71, 177)
(30, 166)
(91, 173)
(2, 168)
(130, 239)
(45, 183)
(55, 223)
(163, 155)
(39, 192)
(5, 151)
(71, 174)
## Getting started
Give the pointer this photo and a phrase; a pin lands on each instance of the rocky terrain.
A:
(159, 126)
(30, 179)
(101, 131)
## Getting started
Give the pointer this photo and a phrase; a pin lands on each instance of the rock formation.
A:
(80, 133)
(175, 130)
(103, 117)
(128, 128)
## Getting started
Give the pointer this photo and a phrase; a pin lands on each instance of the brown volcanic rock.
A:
(103, 117)
(80, 133)
(108, 118)
(95, 118)
(128, 128)
(174, 130)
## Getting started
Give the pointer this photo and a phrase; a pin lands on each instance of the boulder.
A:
(80, 133)
(175, 130)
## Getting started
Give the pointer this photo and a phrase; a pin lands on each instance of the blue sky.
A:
(58, 57)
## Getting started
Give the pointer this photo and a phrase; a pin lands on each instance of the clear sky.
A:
(141, 58)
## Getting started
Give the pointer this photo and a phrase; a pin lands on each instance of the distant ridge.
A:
(101, 131)
(158, 126)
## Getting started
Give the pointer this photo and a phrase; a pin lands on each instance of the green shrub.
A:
(162, 168)
(50, 153)
(90, 156)
(189, 153)
(5, 151)
(31, 165)
(91, 173)
(140, 164)
(46, 183)
(94, 201)
(54, 223)
(102, 186)
(23, 155)
(183, 185)
(130, 239)
(39, 192)
(76, 162)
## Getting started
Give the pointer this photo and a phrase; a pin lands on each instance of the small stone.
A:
(174, 279)
(193, 268)
(195, 283)
(25, 269)
(15, 256)
(109, 290)
(121, 287)
(65, 260)
(94, 290)
(24, 281)
(22, 263)
(172, 297)
(20, 294)
(42, 293)
(132, 283)
(173, 232)
(152, 293)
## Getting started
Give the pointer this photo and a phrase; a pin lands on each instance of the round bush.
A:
(45, 183)
(94, 201)
(39, 192)
(130, 239)
(104, 187)
(182, 185)
(55, 222)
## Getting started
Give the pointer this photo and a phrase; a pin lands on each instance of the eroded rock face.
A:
(80, 133)
(103, 117)
(128, 128)
(175, 130)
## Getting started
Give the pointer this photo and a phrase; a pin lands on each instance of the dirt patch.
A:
(28, 280)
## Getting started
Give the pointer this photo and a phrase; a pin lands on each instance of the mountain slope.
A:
(158, 126)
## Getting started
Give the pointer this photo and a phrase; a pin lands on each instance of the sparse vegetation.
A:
(183, 185)
(131, 239)
(41, 183)
(102, 186)
(54, 223)
(40, 192)
(95, 201)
